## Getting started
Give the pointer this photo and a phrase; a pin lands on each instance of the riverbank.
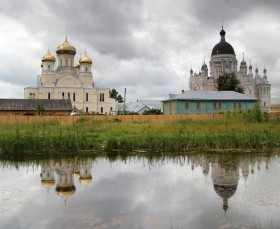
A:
(90, 136)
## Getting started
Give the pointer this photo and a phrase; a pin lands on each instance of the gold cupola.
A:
(48, 57)
(77, 65)
(85, 59)
(66, 48)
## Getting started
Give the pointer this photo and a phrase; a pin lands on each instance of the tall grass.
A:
(89, 136)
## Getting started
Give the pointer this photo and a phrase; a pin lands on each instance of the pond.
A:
(192, 191)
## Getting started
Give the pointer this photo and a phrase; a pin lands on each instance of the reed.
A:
(93, 136)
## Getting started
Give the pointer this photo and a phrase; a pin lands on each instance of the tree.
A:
(115, 95)
(152, 111)
(229, 82)
(40, 108)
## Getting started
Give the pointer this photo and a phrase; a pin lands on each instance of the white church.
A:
(61, 79)
(223, 60)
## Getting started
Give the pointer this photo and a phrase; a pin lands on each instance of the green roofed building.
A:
(207, 102)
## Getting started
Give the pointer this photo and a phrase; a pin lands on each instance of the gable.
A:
(68, 81)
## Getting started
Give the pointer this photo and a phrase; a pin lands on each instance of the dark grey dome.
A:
(223, 47)
(243, 62)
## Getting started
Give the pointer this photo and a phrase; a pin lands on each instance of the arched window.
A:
(49, 95)
(68, 95)
(66, 62)
(74, 96)
(86, 69)
(86, 96)
(101, 110)
(62, 95)
(49, 67)
(101, 97)
(86, 109)
(60, 62)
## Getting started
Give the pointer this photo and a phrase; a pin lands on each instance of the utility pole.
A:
(124, 101)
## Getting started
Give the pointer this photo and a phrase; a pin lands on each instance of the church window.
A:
(198, 106)
(49, 67)
(62, 95)
(101, 110)
(66, 62)
(49, 95)
(86, 69)
(86, 109)
(74, 96)
(186, 106)
(101, 97)
(111, 108)
(86, 96)
(68, 95)
(264, 104)
(60, 62)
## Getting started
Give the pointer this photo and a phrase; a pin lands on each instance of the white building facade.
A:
(61, 79)
(223, 60)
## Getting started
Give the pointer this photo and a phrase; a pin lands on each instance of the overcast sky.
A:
(146, 46)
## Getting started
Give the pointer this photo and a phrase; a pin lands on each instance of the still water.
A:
(194, 191)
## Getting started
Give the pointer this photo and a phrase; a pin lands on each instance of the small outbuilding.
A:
(207, 102)
(59, 107)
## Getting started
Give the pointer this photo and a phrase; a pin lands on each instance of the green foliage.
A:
(153, 111)
(115, 95)
(40, 108)
(95, 137)
(229, 82)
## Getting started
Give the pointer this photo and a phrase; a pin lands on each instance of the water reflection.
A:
(65, 171)
(224, 172)
(193, 191)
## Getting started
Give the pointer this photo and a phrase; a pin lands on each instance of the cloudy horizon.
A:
(147, 47)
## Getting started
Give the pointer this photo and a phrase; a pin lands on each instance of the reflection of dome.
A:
(47, 183)
(48, 57)
(77, 174)
(225, 191)
(65, 192)
(223, 47)
(66, 48)
(85, 60)
(85, 180)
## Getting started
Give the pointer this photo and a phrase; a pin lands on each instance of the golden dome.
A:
(85, 60)
(47, 183)
(66, 48)
(65, 192)
(77, 65)
(85, 180)
(48, 57)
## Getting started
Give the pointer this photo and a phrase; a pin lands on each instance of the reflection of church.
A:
(225, 181)
(223, 60)
(64, 170)
(225, 174)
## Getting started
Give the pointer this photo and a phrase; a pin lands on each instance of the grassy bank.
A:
(89, 136)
